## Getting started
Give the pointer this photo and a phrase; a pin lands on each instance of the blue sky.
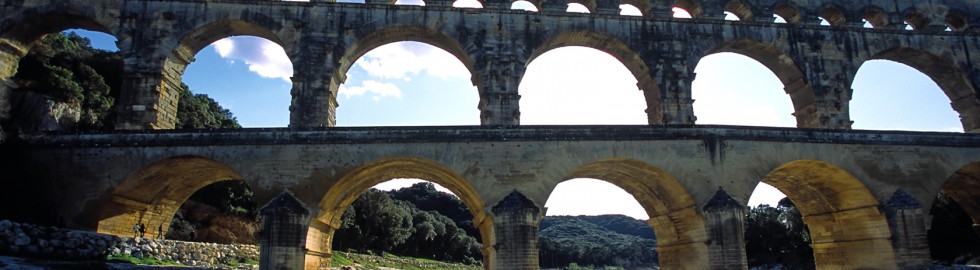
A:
(410, 84)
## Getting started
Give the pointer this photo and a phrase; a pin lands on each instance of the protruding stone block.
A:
(907, 224)
(515, 222)
(283, 240)
(725, 218)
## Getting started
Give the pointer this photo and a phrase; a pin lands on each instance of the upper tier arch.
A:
(951, 79)
(369, 37)
(619, 50)
(20, 29)
(780, 64)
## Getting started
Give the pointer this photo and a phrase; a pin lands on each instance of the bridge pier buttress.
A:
(498, 75)
(674, 76)
(315, 83)
(821, 101)
(284, 232)
(515, 222)
(319, 237)
(150, 91)
(725, 221)
(906, 221)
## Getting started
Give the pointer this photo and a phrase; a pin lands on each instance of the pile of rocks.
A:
(187, 253)
(26, 240)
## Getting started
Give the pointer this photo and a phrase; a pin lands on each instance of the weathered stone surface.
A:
(837, 179)
(815, 63)
(671, 171)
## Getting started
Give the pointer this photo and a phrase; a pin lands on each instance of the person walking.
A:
(136, 230)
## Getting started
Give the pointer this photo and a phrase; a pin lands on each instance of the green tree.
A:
(377, 222)
(381, 224)
(593, 240)
(66, 69)
(198, 111)
(777, 236)
(426, 198)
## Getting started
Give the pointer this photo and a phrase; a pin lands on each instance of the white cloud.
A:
(377, 89)
(401, 60)
(263, 57)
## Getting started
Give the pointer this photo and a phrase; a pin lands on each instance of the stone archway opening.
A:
(468, 4)
(248, 76)
(607, 214)
(69, 80)
(833, 16)
(223, 212)
(412, 218)
(152, 195)
(951, 80)
(262, 60)
(846, 228)
(775, 233)
(914, 102)
(677, 224)
(687, 9)
(342, 194)
(22, 31)
(410, 2)
(954, 231)
(523, 5)
(679, 12)
(629, 10)
(562, 86)
(407, 83)
(788, 13)
(577, 8)
(733, 89)
(736, 10)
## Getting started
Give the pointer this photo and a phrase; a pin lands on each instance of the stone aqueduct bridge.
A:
(862, 193)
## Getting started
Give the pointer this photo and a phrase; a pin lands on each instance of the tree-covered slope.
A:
(594, 240)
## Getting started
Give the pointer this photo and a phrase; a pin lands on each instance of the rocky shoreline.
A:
(42, 243)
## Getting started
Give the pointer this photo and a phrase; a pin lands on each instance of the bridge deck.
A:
(362, 135)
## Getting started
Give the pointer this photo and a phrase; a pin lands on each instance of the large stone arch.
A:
(19, 31)
(617, 49)
(780, 64)
(345, 190)
(846, 227)
(693, 7)
(373, 38)
(742, 9)
(152, 194)
(151, 91)
(680, 229)
(366, 38)
(788, 10)
(954, 82)
(964, 187)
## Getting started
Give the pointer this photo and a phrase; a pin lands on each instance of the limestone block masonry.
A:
(692, 181)
(502, 171)
(815, 63)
